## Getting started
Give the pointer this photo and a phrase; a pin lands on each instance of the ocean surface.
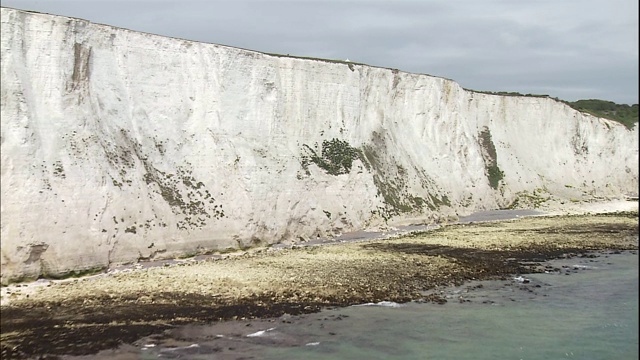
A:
(581, 308)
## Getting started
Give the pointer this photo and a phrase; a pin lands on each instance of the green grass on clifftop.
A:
(622, 113)
(625, 114)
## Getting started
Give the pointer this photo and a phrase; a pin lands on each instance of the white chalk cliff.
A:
(118, 146)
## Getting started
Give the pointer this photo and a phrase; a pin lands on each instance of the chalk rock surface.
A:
(118, 146)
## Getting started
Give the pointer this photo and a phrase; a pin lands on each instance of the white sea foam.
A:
(312, 344)
(582, 267)
(383, 304)
(260, 333)
(180, 348)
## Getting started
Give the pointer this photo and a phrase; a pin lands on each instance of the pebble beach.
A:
(87, 315)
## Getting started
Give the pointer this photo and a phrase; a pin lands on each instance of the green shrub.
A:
(336, 156)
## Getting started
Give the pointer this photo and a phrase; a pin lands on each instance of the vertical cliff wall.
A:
(118, 146)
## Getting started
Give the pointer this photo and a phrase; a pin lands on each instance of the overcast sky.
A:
(571, 49)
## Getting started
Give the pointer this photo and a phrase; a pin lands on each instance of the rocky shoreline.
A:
(85, 316)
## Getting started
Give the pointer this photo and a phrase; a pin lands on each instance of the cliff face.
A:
(118, 146)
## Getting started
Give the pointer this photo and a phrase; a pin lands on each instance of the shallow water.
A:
(584, 308)
(592, 314)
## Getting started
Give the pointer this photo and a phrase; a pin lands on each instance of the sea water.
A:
(592, 314)
(584, 309)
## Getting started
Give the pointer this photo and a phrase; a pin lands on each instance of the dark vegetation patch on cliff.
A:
(490, 157)
(335, 156)
(197, 206)
(526, 200)
(391, 180)
(391, 188)
(188, 198)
